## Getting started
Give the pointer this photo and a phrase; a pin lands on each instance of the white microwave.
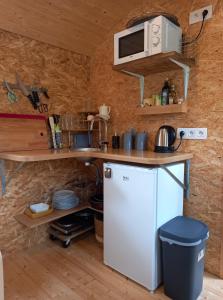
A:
(158, 35)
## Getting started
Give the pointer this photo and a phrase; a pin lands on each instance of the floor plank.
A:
(50, 272)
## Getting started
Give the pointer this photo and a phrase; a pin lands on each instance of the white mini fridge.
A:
(137, 201)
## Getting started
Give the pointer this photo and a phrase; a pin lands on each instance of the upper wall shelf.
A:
(155, 64)
(162, 110)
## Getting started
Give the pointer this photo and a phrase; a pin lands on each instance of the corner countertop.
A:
(139, 157)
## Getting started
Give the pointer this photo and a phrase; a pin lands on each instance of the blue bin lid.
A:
(184, 230)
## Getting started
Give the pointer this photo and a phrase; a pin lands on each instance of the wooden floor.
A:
(49, 272)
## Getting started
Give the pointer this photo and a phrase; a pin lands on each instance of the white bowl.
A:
(39, 207)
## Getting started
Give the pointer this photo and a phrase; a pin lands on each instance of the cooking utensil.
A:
(45, 93)
(25, 91)
(52, 127)
(97, 202)
(11, 94)
(42, 107)
(35, 96)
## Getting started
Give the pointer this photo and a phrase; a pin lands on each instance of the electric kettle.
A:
(165, 139)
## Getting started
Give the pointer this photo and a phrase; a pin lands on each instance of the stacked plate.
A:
(64, 199)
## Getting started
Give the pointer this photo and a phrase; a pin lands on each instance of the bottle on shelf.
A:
(165, 93)
(173, 93)
(58, 132)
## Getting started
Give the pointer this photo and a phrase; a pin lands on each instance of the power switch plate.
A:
(196, 15)
(193, 133)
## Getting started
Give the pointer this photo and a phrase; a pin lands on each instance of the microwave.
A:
(158, 35)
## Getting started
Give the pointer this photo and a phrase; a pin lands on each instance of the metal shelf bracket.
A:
(186, 73)
(141, 83)
(5, 182)
(186, 184)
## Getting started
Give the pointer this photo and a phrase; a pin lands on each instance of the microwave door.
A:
(129, 44)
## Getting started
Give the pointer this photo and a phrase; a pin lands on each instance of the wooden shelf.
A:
(56, 214)
(154, 64)
(161, 110)
(78, 130)
(96, 210)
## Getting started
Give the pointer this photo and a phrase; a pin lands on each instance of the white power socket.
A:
(196, 15)
(193, 133)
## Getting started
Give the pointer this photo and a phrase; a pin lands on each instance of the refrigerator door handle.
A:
(108, 172)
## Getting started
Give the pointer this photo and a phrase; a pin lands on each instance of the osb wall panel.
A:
(66, 75)
(205, 110)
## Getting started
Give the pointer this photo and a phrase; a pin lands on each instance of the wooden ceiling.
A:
(77, 25)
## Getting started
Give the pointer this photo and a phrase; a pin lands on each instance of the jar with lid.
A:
(173, 94)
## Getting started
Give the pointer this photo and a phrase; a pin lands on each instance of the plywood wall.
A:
(205, 110)
(66, 75)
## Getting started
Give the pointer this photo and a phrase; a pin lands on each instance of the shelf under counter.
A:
(56, 214)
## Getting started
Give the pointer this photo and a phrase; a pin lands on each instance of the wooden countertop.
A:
(139, 157)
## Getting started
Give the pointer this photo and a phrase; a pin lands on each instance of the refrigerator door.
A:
(130, 222)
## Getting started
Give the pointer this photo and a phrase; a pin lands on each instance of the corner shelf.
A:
(155, 64)
(161, 110)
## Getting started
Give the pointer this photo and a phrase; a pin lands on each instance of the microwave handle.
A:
(146, 37)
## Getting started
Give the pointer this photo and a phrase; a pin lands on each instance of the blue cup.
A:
(127, 141)
(141, 141)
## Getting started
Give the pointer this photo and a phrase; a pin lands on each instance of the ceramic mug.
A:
(141, 141)
(128, 141)
(104, 110)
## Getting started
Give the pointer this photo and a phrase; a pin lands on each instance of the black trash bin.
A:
(183, 248)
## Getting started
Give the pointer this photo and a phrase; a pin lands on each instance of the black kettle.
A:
(165, 138)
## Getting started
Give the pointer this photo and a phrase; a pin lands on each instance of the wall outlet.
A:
(193, 133)
(196, 15)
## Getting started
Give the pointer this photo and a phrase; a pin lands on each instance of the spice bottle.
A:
(165, 93)
(173, 94)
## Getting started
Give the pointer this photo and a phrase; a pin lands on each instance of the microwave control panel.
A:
(164, 36)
